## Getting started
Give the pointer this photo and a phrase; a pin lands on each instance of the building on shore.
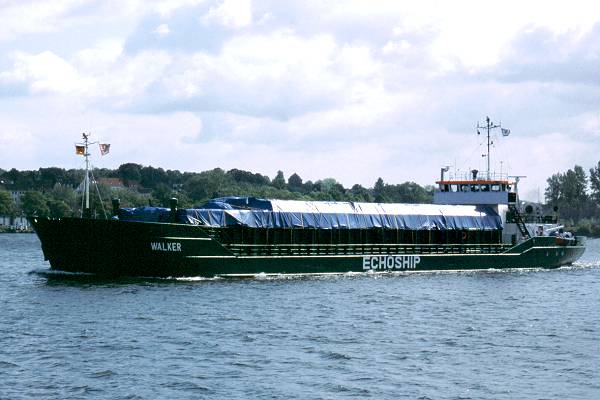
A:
(18, 223)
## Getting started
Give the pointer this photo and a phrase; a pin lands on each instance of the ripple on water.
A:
(107, 373)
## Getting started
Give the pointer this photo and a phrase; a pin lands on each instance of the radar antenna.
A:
(489, 125)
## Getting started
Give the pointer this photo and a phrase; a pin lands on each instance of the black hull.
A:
(117, 248)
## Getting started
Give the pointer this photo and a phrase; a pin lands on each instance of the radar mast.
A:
(489, 125)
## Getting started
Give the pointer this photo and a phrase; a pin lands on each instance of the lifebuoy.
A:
(464, 235)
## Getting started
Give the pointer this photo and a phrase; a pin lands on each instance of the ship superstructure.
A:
(498, 191)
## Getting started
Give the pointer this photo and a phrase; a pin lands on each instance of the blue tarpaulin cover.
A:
(144, 214)
(260, 213)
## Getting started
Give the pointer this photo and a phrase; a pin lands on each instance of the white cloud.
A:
(162, 30)
(128, 80)
(230, 13)
(100, 57)
(26, 17)
(479, 36)
(396, 47)
(95, 73)
(17, 142)
(46, 138)
(276, 75)
(357, 62)
(45, 72)
(166, 7)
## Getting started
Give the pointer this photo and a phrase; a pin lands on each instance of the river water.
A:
(468, 335)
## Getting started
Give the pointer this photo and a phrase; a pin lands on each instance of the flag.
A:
(104, 148)
(79, 150)
(505, 132)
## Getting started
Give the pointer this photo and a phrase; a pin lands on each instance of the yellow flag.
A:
(80, 150)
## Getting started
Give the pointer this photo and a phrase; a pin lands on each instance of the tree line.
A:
(53, 191)
(56, 192)
(576, 194)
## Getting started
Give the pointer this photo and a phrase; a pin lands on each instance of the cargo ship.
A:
(474, 223)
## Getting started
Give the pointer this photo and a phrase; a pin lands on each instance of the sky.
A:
(349, 89)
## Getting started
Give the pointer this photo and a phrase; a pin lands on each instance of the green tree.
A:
(59, 208)
(209, 184)
(407, 192)
(279, 180)
(173, 177)
(308, 187)
(22, 180)
(7, 206)
(332, 190)
(151, 177)
(595, 183)
(73, 177)
(128, 198)
(378, 191)
(552, 193)
(162, 194)
(360, 193)
(129, 173)
(63, 193)
(568, 191)
(574, 184)
(48, 177)
(295, 182)
(34, 203)
(241, 176)
(184, 200)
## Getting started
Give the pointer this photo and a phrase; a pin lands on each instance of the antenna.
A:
(489, 125)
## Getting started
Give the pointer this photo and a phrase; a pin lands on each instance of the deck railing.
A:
(482, 175)
(362, 249)
(536, 219)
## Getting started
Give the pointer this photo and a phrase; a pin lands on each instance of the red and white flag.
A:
(104, 148)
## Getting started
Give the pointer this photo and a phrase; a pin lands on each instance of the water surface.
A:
(467, 335)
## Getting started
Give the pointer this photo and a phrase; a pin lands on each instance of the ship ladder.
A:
(519, 221)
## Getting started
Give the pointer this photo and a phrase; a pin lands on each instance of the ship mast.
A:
(86, 182)
(83, 149)
(86, 185)
(489, 125)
